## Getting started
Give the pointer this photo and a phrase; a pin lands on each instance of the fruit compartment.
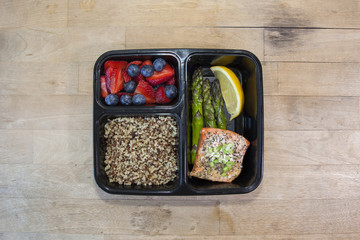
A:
(102, 178)
(127, 55)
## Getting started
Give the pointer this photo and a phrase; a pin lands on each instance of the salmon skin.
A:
(219, 155)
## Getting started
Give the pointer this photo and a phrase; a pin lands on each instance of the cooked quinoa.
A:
(141, 150)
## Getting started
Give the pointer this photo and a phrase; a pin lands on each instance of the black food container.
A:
(250, 123)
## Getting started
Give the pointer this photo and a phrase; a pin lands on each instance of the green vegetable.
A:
(218, 103)
(208, 109)
(197, 110)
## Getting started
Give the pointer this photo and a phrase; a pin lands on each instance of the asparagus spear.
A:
(208, 108)
(197, 111)
(218, 103)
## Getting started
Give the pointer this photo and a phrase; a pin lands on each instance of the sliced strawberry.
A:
(104, 91)
(138, 78)
(126, 76)
(116, 80)
(115, 64)
(146, 62)
(108, 72)
(160, 77)
(171, 81)
(160, 96)
(145, 89)
(134, 62)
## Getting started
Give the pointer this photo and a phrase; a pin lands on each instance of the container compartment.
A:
(245, 124)
(102, 178)
(129, 56)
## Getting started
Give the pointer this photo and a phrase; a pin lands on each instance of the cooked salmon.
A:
(219, 155)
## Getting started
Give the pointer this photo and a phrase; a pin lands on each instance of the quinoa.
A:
(141, 150)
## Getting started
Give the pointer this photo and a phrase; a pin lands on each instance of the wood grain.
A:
(311, 79)
(311, 113)
(312, 147)
(274, 13)
(333, 216)
(311, 45)
(22, 13)
(35, 78)
(86, 79)
(59, 44)
(254, 236)
(310, 54)
(108, 216)
(46, 236)
(193, 37)
(46, 112)
(63, 147)
(16, 146)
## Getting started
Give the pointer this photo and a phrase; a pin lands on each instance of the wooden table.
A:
(310, 52)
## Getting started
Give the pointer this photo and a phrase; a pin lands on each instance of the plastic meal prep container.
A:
(250, 123)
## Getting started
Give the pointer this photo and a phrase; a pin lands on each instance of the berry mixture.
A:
(138, 83)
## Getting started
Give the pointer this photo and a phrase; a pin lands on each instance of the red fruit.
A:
(160, 96)
(160, 77)
(146, 62)
(116, 80)
(134, 62)
(104, 91)
(138, 78)
(126, 76)
(115, 64)
(171, 81)
(108, 72)
(145, 89)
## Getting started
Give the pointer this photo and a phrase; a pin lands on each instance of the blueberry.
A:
(170, 91)
(133, 70)
(138, 99)
(112, 99)
(159, 64)
(126, 100)
(130, 86)
(147, 71)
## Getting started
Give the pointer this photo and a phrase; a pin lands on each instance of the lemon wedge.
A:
(231, 90)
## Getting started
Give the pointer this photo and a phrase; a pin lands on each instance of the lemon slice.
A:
(223, 60)
(231, 90)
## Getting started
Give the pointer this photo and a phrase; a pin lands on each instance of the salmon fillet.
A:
(219, 155)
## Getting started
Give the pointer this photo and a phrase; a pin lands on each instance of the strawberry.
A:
(171, 81)
(126, 76)
(104, 91)
(160, 77)
(146, 62)
(115, 64)
(134, 62)
(145, 89)
(116, 80)
(108, 72)
(138, 78)
(160, 96)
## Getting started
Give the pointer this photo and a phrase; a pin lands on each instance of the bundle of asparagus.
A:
(207, 108)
